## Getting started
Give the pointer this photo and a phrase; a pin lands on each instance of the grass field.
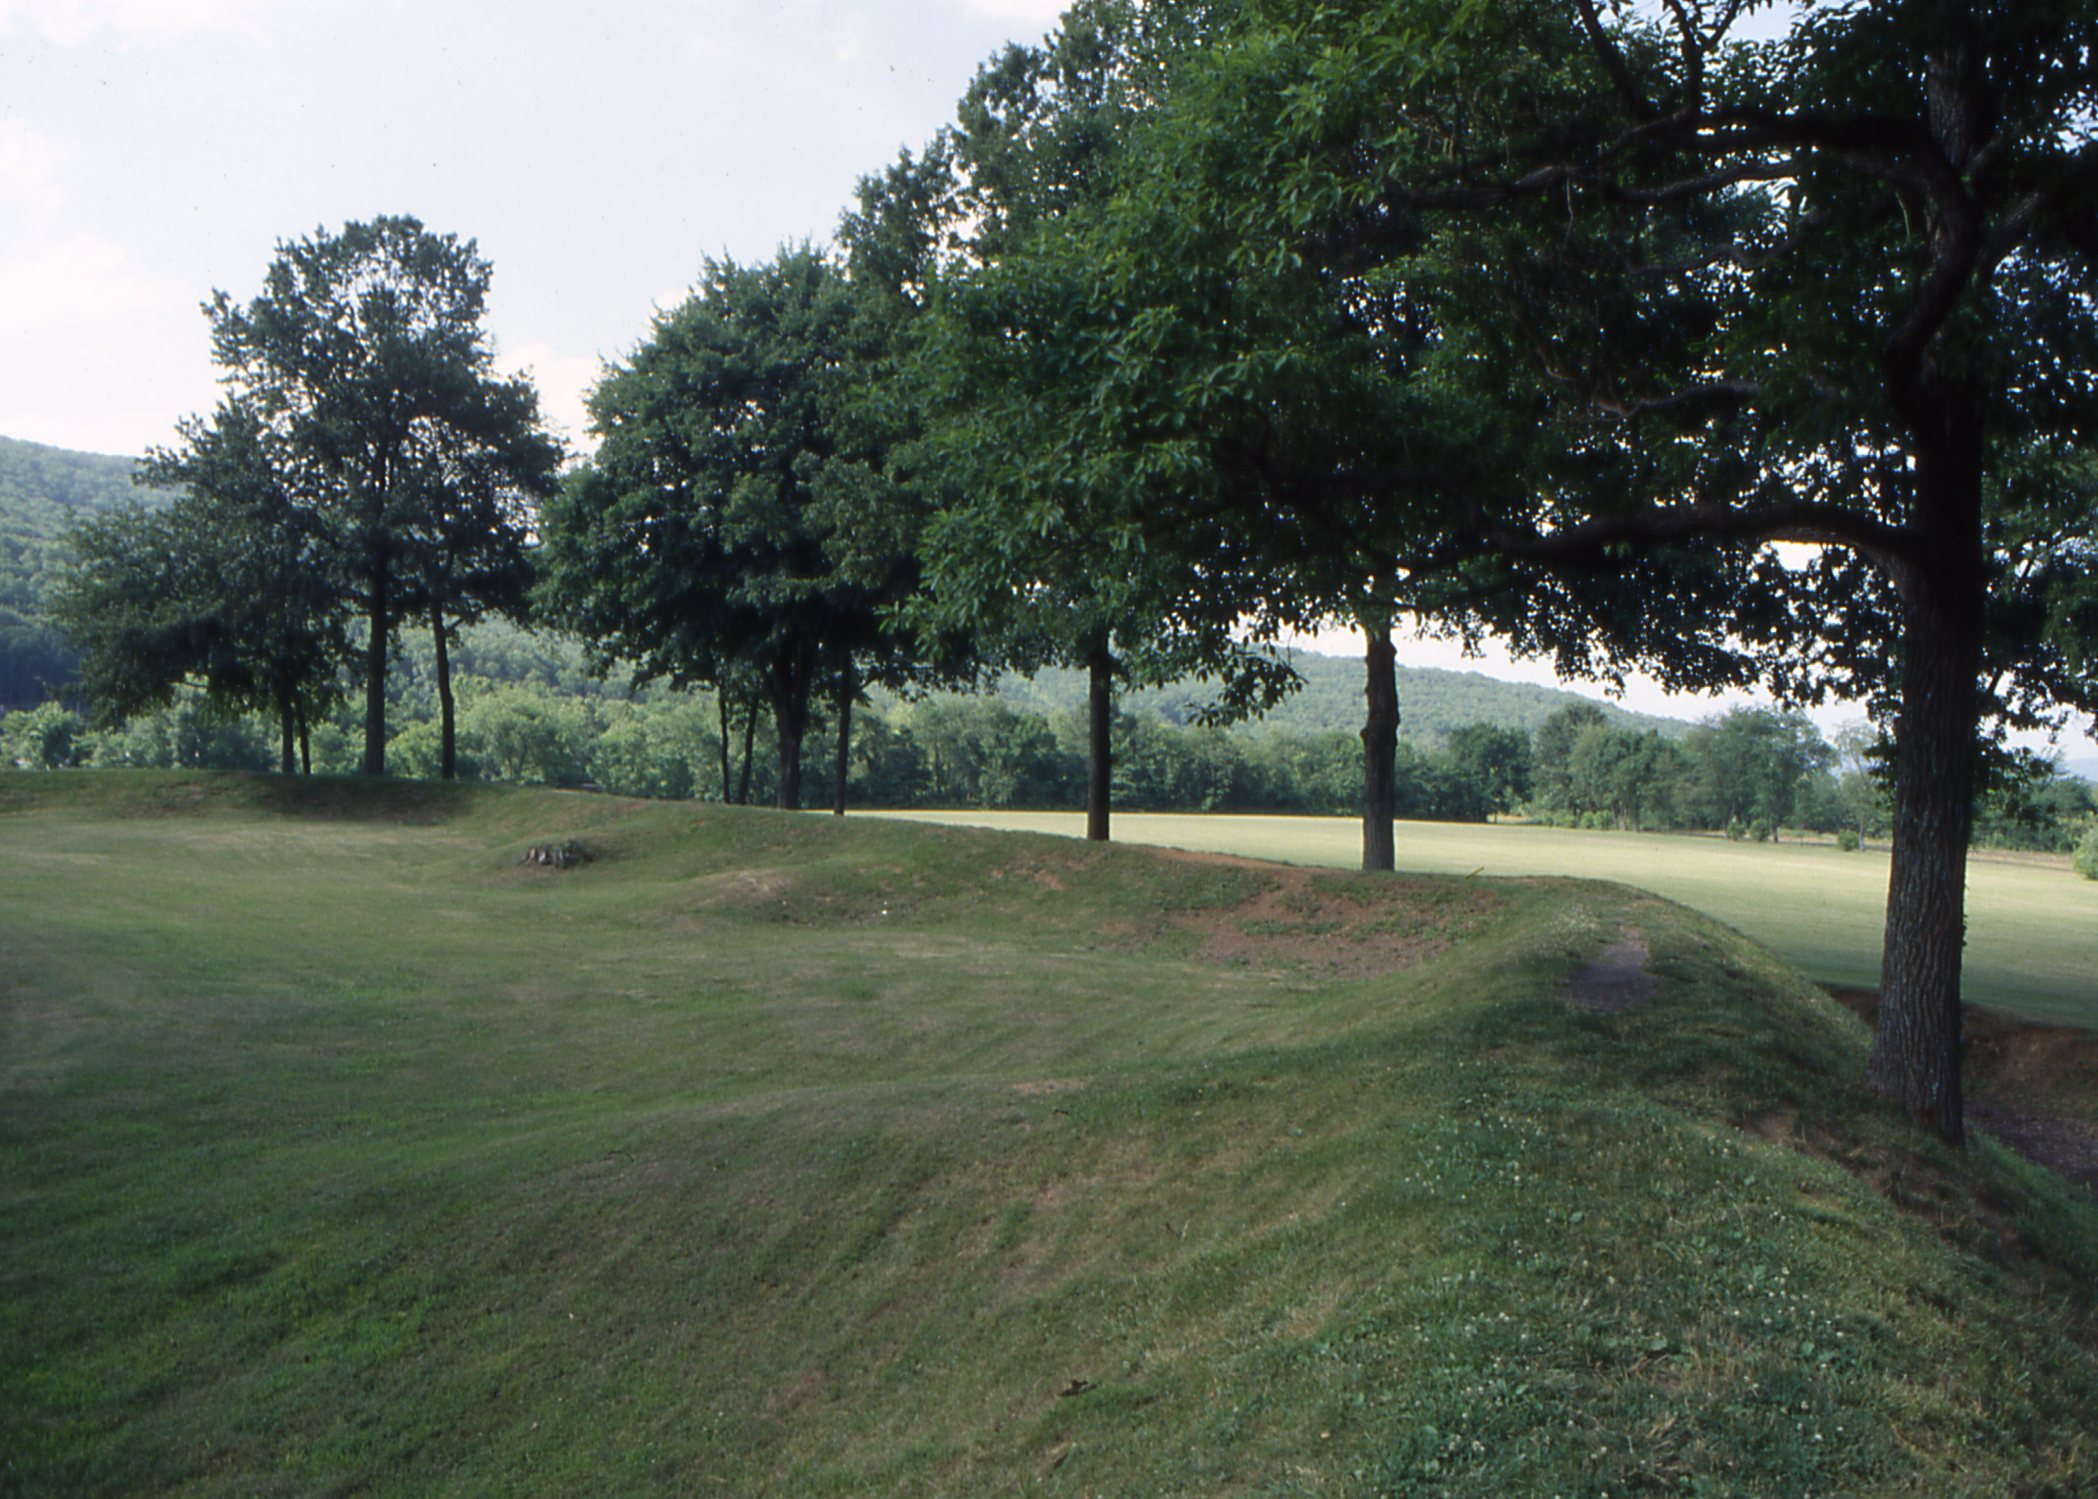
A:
(342, 1153)
(2032, 927)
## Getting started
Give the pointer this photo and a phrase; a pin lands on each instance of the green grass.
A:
(341, 1153)
(2032, 926)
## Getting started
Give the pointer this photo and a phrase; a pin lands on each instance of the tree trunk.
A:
(750, 747)
(728, 791)
(305, 743)
(375, 654)
(848, 688)
(790, 720)
(448, 755)
(1917, 1037)
(1100, 720)
(1380, 746)
(287, 717)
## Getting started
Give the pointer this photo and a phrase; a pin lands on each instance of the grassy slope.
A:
(2032, 928)
(340, 1153)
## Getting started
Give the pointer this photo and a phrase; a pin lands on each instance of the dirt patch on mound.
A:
(1616, 980)
(1341, 926)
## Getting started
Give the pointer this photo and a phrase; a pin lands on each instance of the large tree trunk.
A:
(1916, 1039)
(1100, 722)
(790, 719)
(448, 755)
(848, 688)
(375, 654)
(1380, 746)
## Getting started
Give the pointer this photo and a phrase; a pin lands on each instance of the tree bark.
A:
(750, 747)
(1380, 746)
(1100, 716)
(728, 791)
(375, 654)
(305, 743)
(287, 717)
(790, 719)
(448, 756)
(848, 688)
(1916, 1038)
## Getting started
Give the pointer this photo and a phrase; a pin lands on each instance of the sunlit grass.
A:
(2032, 928)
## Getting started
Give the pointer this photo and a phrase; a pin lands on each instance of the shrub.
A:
(1735, 831)
(1760, 830)
(1847, 840)
(2087, 853)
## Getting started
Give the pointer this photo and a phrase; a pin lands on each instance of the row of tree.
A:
(1750, 774)
(1211, 320)
(1756, 772)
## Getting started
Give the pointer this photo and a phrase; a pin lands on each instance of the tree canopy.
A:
(1592, 308)
(365, 364)
(729, 523)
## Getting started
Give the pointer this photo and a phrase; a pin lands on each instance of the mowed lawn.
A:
(343, 1152)
(2032, 928)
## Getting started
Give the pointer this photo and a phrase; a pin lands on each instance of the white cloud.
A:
(29, 169)
(73, 22)
(562, 383)
(82, 282)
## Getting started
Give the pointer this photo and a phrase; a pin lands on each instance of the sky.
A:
(152, 151)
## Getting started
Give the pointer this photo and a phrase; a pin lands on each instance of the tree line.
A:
(1751, 774)
(1209, 321)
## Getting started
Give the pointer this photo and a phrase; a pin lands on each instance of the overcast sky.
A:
(153, 150)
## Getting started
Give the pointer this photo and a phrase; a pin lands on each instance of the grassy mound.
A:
(346, 1152)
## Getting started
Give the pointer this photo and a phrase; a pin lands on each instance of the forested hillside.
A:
(43, 492)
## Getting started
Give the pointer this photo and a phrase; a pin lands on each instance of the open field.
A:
(2032, 926)
(341, 1152)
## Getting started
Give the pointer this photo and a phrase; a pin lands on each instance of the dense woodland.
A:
(1207, 323)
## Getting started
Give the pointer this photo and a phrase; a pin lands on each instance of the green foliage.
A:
(49, 736)
(2086, 857)
(370, 386)
(1753, 765)
(1847, 840)
(44, 493)
(229, 587)
(1044, 548)
(731, 529)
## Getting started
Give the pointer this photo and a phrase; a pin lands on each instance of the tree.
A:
(727, 529)
(228, 587)
(365, 363)
(1496, 760)
(1749, 765)
(1830, 290)
(1033, 553)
